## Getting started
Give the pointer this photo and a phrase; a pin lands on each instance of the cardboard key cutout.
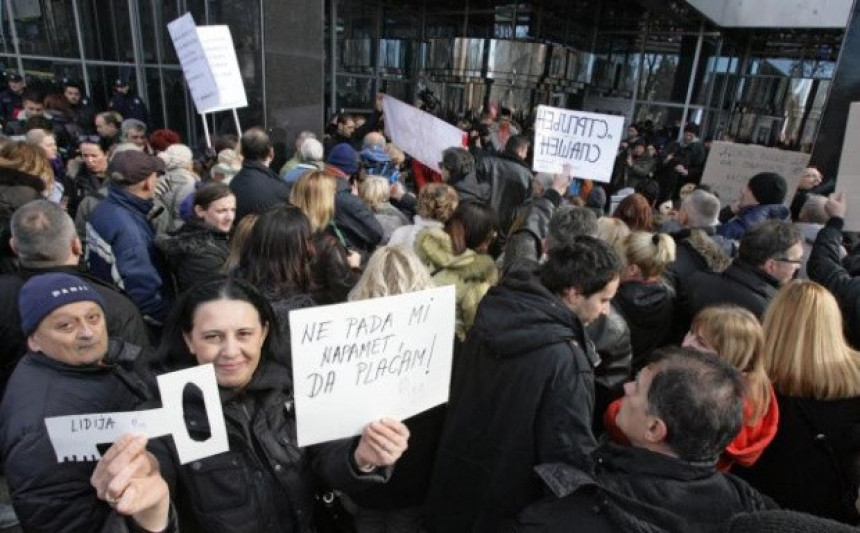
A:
(76, 437)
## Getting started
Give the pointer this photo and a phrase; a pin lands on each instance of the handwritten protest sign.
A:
(357, 362)
(419, 134)
(730, 166)
(75, 437)
(848, 179)
(208, 60)
(588, 142)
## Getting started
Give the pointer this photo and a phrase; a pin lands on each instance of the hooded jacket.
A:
(471, 273)
(522, 394)
(744, 450)
(750, 216)
(648, 308)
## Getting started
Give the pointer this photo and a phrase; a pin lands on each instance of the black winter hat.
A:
(768, 188)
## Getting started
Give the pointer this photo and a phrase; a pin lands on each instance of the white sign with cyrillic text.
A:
(357, 362)
(587, 142)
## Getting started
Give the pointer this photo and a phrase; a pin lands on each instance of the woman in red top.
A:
(736, 335)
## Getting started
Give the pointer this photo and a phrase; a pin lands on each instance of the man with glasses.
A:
(770, 254)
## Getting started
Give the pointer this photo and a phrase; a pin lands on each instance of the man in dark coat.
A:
(769, 256)
(509, 177)
(457, 169)
(761, 199)
(825, 267)
(72, 369)
(352, 216)
(523, 389)
(256, 186)
(679, 415)
(44, 239)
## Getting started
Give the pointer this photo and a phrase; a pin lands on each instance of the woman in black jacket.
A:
(813, 463)
(644, 299)
(264, 483)
(198, 250)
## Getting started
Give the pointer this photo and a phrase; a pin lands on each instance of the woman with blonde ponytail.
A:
(644, 299)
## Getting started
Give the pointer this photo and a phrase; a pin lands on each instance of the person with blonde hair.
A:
(736, 335)
(336, 264)
(644, 299)
(812, 464)
(613, 231)
(398, 504)
(376, 193)
(436, 204)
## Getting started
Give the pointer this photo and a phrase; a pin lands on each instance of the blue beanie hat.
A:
(344, 157)
(44, 293)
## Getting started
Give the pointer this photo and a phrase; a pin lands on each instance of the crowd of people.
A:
(691, 368)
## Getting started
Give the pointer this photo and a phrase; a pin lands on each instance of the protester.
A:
(509, 177)
(811, 465)
(398, 505)
(761, 199)
(457, 168)
(457, 255)
(278, 260)
(335, 265)
(297, 157)
(635, 211)
(71, 369)
(644, 299)
(265, 479)
(436, 204)
(678, 416)
(256, 186)
(769, 256)
(198, 250)
(523, 388)
(121, 239)
(89, 180)
(825, 267)
(376, 193)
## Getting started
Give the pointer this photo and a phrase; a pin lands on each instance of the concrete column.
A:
(294, 58)
(844, 89)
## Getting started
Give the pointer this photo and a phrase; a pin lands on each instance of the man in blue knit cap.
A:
(70, 369)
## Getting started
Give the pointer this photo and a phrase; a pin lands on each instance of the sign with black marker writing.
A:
(588, 142)
(357, 362)
(731, 165)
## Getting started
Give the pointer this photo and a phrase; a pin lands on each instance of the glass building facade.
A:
(302, 61)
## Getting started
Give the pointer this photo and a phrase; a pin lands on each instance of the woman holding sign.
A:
(265, 482)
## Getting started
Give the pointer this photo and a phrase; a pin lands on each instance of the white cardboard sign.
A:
(357, 362)
(209, 64)
(419, 134)
(730, 166)
(588, 142)
(75, 437)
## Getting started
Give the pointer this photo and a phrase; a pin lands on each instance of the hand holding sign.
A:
(127, 477)
(381, 444)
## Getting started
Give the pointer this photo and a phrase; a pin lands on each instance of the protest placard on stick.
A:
(418, 133)
(357, 362)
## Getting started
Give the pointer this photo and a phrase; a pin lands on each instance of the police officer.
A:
(10, 98)
(126, 104)
(80, 109)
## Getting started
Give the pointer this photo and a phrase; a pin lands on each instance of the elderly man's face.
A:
(137, 137)
(75, 334)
